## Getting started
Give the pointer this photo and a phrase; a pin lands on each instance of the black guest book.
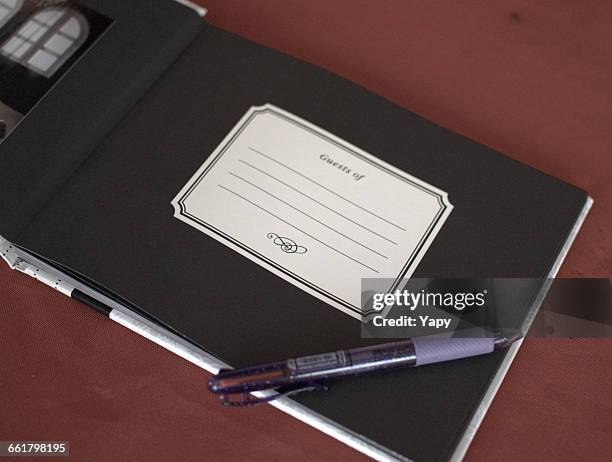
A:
(225, 200)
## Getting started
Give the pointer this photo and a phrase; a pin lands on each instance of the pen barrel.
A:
(352, 362)
(413, 352)
(311, 369)
(385, 356)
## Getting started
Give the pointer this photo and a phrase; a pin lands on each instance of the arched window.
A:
(8, 9)
(46, 40)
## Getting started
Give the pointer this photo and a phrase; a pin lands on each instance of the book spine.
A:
(7, 251)
(44, 277)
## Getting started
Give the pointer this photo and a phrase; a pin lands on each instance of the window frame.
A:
(35, 25)
(12, 12)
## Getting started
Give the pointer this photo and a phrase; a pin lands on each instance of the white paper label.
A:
(311, 208)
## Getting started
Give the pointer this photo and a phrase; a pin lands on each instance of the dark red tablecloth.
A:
(533, 80)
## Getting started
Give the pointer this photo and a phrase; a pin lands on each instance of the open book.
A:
(225, 201)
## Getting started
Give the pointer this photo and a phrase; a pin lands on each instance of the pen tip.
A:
(507, 337)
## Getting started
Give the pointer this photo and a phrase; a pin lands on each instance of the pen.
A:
(235, 386)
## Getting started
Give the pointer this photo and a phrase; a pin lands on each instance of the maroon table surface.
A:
(531, 79)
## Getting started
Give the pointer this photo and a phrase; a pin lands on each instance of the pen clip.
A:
(243, 399)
